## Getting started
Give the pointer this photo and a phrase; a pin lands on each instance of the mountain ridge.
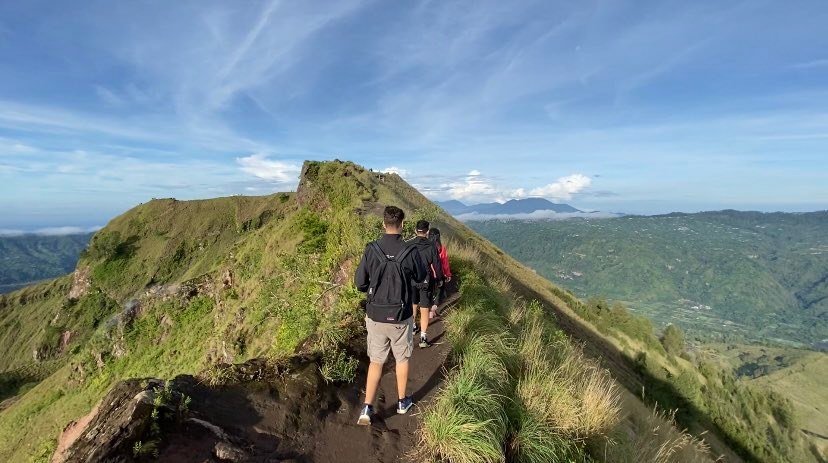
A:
(195, 287)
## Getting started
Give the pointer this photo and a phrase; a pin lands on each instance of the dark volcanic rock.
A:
(118, 422)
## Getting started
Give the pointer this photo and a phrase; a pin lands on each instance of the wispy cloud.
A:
(195, 98)
(812, 64)
(395, 170)
(260, 166)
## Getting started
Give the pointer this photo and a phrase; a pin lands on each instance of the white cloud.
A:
(50, 231)
(59, 231)
(395, 170)
(108, 96)
(477, 187)
(537, 215)
(817, 63)
(258, 165)
(474, 186)
(564, 188)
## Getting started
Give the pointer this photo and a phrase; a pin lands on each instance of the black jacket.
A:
(430, 255)
(391, 245)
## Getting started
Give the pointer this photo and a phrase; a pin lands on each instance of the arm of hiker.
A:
(361, 277)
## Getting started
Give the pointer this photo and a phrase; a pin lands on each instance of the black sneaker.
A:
(404, 404)
(424, 342)
(416, 328)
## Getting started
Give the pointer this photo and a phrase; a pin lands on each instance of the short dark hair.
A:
(393, 216)
(422, 225)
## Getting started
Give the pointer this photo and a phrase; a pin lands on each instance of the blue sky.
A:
(631, 106)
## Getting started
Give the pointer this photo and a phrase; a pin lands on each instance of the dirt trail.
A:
(391, 437)
(305, 420)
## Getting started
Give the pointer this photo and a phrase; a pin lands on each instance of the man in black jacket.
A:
(424, 294)
(386, 272)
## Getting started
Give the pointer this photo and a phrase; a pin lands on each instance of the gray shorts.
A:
(396, 337)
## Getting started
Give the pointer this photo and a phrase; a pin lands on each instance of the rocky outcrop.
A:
(110, 432)
(256, 416)
(81, 282)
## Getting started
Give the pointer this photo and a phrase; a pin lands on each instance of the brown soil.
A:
(300, 418)
(70, 434)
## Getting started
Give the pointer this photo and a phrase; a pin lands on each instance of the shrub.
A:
(673, 340)
(338, 366)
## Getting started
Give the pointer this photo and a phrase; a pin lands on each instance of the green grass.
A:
(518, 383)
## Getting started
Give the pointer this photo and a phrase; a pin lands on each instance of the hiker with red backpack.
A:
(424, 294)
(386, 272)
(440, 291)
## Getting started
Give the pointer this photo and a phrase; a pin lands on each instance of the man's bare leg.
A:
(423, 320)
(372, 383)
(402, 378)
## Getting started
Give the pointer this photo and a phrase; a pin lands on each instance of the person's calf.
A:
(423, 321)
(406, 401)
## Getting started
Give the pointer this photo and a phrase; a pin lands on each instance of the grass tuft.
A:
(453, 435)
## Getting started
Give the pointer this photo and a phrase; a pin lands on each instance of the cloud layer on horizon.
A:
(537, 215)
(50, 231)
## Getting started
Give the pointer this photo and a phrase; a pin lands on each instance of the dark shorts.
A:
(424, 297)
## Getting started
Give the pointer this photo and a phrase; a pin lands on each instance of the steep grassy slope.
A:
(28, 258)
(200, 284)
(741, 275)
(196, 284)
(804, 382)
(794, 373)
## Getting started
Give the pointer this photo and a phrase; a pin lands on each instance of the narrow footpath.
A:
(391, 437)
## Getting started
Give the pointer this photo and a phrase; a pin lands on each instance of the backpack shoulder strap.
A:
(374, 246)
(404, 253)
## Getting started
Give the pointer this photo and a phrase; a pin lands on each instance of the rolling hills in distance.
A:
(28, 258)
(728, 275)
(245, 295)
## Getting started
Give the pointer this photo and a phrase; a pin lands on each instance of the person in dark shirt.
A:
(424, 296)
(397, 336)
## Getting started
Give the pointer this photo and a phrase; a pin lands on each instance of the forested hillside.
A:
(720, 275)
(29, 258)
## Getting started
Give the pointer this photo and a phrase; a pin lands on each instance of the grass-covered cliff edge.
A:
(174, 287)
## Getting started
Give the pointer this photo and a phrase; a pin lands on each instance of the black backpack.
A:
(388, 293)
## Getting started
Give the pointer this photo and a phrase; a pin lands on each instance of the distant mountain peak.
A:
(512, 206)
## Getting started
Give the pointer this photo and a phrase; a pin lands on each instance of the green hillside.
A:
(174, 287)
(794, 373)
(719, 275)
(29, 258)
